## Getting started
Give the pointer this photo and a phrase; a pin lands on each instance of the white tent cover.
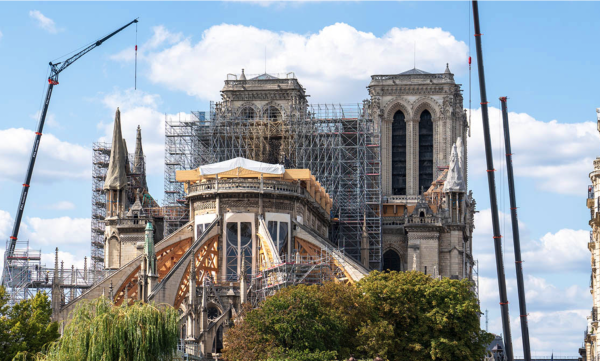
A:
(454, 180)
(240, 162)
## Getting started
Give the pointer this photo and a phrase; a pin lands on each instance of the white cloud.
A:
(1, 35)
(61, 206)
(558, 156)
(563, 251)
(334, 63)
(66, 257)
(160, 37)
(48, 231)
(56, 160)
(44, 22)
(57, 231)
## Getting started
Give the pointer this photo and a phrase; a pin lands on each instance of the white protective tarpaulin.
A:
(240, 162)
(454, 180)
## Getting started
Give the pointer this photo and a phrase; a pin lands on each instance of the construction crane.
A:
(508, 348)
(55, 70)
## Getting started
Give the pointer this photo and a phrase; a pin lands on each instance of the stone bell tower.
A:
(422, 116)
(267, 105)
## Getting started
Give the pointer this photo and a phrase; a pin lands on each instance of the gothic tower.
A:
(267, 105)
(421, 117)
(427, 213)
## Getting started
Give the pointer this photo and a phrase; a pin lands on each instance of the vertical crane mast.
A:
(55, 70)
(492, 189)
(515, 231)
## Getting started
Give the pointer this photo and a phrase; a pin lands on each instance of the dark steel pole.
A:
(492, 188)
(515, 230)
(25, 190)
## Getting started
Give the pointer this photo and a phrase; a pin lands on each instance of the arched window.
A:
(425, 151)
(247, 114)
(391, 261)
(399, 154)
(272, 114)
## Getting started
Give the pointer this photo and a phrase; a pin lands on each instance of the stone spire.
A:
(116, 178)
(139, 162)
(447, 71)
(243, 76)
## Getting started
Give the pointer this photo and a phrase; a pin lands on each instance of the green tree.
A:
(27, 326)
(421, 318)
(298, 323)
(98, 330)
(398, 316)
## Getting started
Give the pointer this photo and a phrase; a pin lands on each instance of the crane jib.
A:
(52, 81)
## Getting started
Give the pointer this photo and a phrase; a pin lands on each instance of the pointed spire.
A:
(447, 69)
(243, 76)
(138, 161)
(116, 177)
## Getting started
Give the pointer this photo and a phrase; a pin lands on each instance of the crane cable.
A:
(135, 75)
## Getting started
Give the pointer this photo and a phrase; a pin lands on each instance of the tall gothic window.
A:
(425, 151)
(399, 154)
(248, 114)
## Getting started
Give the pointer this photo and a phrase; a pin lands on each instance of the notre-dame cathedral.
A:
(426, 224)
(282, 192)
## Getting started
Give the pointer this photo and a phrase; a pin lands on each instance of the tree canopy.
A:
(396, 315)
(26, 326)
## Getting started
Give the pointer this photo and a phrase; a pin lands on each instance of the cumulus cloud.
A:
(57, 160)
(161, 36)
(558, 156)
(71, 235)
(61, 206)
(563, 251)
(44, 22)
(138, 108)
(334, 63)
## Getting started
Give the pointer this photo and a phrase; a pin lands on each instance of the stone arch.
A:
(392, 261)
(273, 104)
(396, 246)
(240, 109)
(426, 103)
(114, 253)
(392, 106)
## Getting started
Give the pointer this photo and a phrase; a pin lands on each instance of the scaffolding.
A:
(100, 159)
(182, 152)
(340, 144)
(307, 270)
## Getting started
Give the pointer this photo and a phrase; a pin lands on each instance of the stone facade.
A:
(419, 232)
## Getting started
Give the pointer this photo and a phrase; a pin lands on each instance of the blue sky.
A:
(540, 54)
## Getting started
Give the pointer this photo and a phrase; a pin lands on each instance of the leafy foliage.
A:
(27, 326)
(422, 318)
(397, 315)
(99, 330)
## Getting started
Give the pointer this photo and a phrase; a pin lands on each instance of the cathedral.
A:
(282, 194)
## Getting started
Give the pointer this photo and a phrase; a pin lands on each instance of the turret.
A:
(150, 257)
